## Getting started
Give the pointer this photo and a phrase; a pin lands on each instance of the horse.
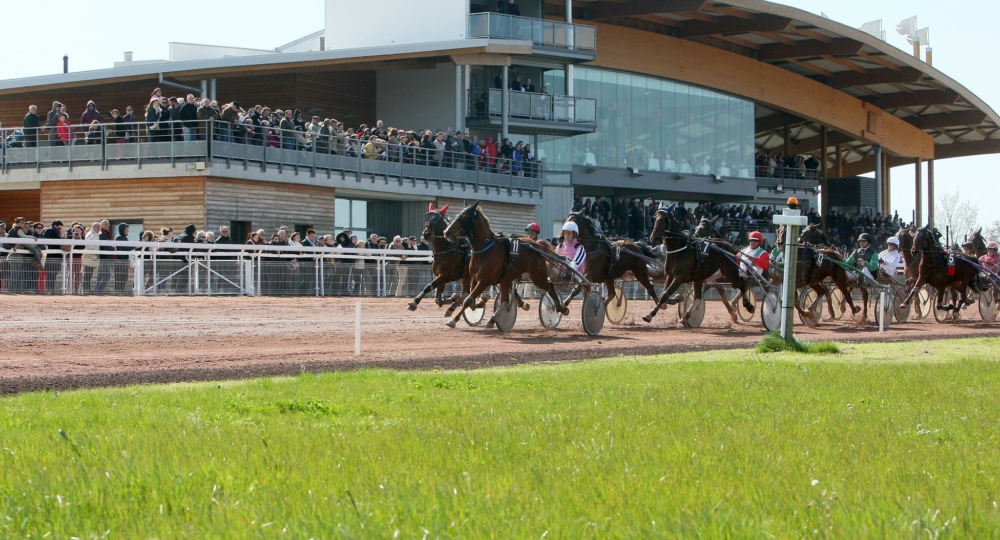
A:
(813, 242)
(685, 265)
(935, 271)
(978, 243)
(493, 262)
(609, 260)
(451, 261)
(708, 231)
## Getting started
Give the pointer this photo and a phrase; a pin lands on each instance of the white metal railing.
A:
(171, 268)
(540, 32)
(534, 106)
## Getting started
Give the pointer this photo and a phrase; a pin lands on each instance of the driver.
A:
(891, 259)
(570, 248)
(991, 261)
(761, 258)
(533, 230)
(969, 249)
(865, 257)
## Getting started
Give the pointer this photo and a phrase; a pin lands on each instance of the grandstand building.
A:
(662, 99)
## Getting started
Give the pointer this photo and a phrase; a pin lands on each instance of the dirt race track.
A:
(74, 342)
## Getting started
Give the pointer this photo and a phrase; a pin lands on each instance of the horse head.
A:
(663, 221)
(925, 240)
(465, 224)
(434, 222)
(705, 229)
(585, 224)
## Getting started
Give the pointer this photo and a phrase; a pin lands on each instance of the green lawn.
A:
(890, 440)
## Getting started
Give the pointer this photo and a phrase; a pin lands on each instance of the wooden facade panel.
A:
(348, 96)
(268, 205)
(504, 217)
(24, 203)
(157, 202)
(107, 97)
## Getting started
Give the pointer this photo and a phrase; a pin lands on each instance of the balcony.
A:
(534, 112)
(552, 38)
(781, 179)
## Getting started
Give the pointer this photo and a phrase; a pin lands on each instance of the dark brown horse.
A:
(608, 261)
(935, 271)
(689, 261)
(707, 231)
(493, 262)
(451, 261)
(814, 245)
(975, 236)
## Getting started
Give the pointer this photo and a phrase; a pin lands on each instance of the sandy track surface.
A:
(76, 342)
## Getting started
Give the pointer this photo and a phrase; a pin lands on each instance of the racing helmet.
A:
(893, 240)
(570, 226)
(533, 227)
(992, 245)
(756, 235)
(865, 237)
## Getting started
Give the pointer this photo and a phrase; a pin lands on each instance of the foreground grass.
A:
(893, 440)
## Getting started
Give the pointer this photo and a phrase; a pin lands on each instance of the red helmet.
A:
(756, 235)
(533, 228)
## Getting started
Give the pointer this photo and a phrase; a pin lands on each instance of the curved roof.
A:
(845, 58)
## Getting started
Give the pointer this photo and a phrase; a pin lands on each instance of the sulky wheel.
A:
(617, 307)
(902, 312)
(691, 311)
(988, 305)
(547, 314)
(888, 307)
(593, 313)
(807, 300)
(505, 316)
(770, 310)
(737, 302)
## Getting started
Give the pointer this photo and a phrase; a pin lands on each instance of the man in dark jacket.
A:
(105, 261)
(508, 7)
(51, 120)
(90, 114)
(31, 124)
(223, 238)
(121, 264)
(52, 263)
(188, 114)
(189, 234)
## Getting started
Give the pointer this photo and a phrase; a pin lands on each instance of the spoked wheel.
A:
(988, 305)
(593, 313)
(940, 315)
(902, 311)
(741, 312)
(617, 307)
(887, 308)
(474, 316)
(547, 314)
(840, 306)
(690, 311)
(770, 310)
(925, 297)
(806, 301)
(506, 315)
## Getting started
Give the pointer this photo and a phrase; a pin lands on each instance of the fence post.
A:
(138, 277)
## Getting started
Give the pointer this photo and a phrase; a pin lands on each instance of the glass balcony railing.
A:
(534, 106)
(541, 32)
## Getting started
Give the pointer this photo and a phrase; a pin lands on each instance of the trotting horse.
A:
(608, 261)
(814, 245)
(707, 231)
(935, 270)
(494, 263)
(451, 261)
(687, 262)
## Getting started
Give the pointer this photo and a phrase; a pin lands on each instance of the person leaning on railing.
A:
(32, 122)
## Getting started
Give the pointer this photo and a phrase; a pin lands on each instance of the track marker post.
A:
(881, 312)
(792, 219)
(357, 329)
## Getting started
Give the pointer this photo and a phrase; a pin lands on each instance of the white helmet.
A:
(893, 240)
(570, 226)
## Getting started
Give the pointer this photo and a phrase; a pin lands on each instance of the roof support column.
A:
(569, 11)
(930, 183)
(879, 178)
(504, 105)
(840, 161)
(784, 134)
(919, 192)
(204, 88)
(887, 197)
(824, 206)
(211, 90)
(459, 97)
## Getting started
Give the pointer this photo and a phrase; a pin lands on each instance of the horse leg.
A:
(914, 289)
(469, 302)
(520, 301)
(864, 302)
(841, 281)
(725, 302)
(669, 289)
(427, 290)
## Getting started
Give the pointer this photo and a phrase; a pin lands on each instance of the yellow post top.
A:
(793, 202)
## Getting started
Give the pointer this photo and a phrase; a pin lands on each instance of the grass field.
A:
(888, 440)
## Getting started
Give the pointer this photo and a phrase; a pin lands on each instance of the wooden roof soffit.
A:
(480, 59)
(608, 10)
(805, 49)
(733, 25)
(879, 76)
(941, 120)
(917, 99)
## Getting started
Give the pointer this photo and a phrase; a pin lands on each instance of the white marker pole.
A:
(881, 312)
(357, 329)
(792, 219)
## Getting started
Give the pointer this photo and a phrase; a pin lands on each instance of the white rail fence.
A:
(67, 267)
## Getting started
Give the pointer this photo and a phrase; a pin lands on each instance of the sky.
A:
(963, 49)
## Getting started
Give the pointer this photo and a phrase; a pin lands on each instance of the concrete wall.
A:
(417, 98)
(375, 23)
(555, 205)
